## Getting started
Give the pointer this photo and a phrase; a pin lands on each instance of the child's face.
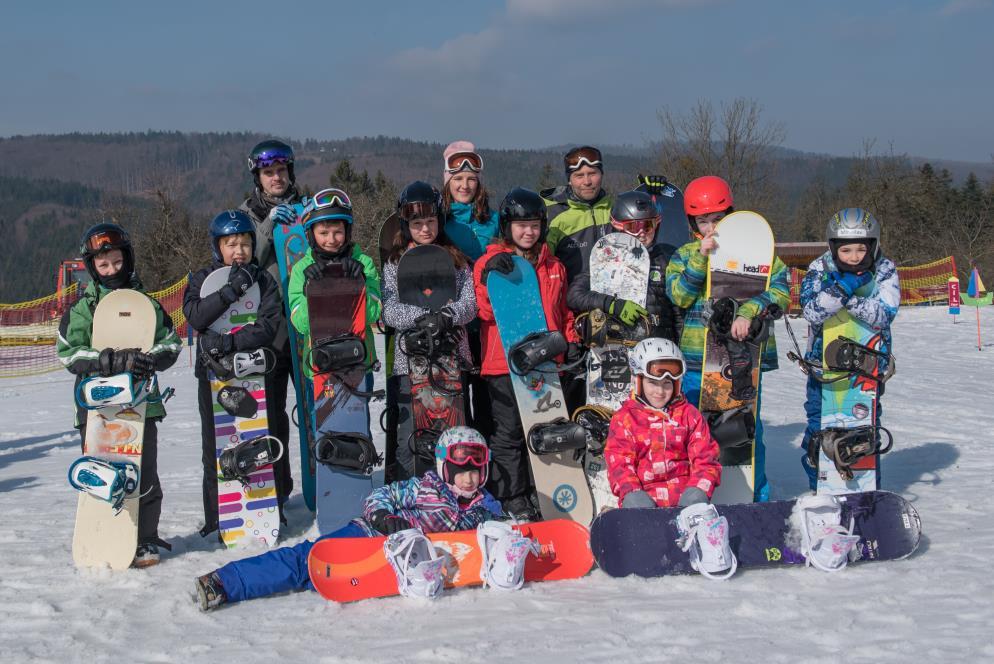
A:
(707, 222)
(423, 230)
(657, 391)
(109, 263)
(852, 254)
(467, 480)
(274, 179)
(237, 247)
(463, 186)
(525, 234)
(329, 235)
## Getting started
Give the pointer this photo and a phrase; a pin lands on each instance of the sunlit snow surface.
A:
(939, 604)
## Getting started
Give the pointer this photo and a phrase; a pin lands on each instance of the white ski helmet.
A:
(656, 349)
(458, 447)
(854, 225)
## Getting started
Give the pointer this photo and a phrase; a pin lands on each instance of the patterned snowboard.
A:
(740, 268)
(619, 266)
(559, 478)
(350, 569)
(291, 245)
(123, 319)
(426, 278)
(245, 513)
(337, 306)
(644, 541)
(848, 404)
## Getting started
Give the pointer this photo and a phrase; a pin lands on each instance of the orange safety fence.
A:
(920, 284)
(28, 330)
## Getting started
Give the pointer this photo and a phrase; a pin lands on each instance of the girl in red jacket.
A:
(523, 225)
(659, 449)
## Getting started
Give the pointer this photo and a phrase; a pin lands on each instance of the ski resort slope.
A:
(937, 605)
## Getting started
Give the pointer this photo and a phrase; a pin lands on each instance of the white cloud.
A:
(574, 9)
(955, 7)
(466, 53)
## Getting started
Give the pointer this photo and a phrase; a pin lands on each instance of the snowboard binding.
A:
(338, 355)
(535, 350)
(237, 461)
(349, 451)
(847, 446)
(110, 481)
(734, 431)
(241, 364)
(844, 354)
(422, 345)
(422, 444)
(121, 390)
(704, 537)
(596, 420)
(557, 436)
(598, 329)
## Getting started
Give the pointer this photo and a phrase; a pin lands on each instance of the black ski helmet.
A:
(230, 222)
(268, 153)
(522, 204)
(418, 200)
(103, 237)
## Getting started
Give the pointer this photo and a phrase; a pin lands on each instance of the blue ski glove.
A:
(654, 184)
(283, 214)
(691, 496)
(848, 283)
(626, 310)
(638, 499)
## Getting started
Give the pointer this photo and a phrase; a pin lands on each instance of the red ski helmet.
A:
(705, 195)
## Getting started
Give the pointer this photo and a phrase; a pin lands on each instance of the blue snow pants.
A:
(276, 571)
(691, 387)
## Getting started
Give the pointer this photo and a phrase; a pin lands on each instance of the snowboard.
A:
(848, 403)
(336, 306)
(426, 278)
(350, 569)
(739, 268)
(644, 541)
(246, 513)
(390, 415)
(673, 231)
(559, 478)
(619, 266)
(290, 243)
(122, 319)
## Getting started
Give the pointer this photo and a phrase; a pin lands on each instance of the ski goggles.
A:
(462, 454)
(635, 226)
(463, 161)
(269, 157)
(419, 210)
(583, 156)
(660, 370)
(331, 198)
(104, 240)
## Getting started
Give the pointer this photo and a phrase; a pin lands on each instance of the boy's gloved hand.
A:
(127, 360)
(217, 345)
(691, 496)
(654, 184)
(240, 279)
(502, 262)
(848, 283)
(638, 499)
(283, 214)
(387, 523)
(314, 272)
(626, 310)
(351, 268)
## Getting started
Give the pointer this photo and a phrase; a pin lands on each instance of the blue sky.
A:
(509, 73)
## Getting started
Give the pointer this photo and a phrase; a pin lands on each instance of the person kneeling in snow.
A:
(449, 499)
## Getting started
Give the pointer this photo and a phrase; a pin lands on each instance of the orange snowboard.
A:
(350, 569)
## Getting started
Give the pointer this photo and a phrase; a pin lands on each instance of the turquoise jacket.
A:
(470, 235)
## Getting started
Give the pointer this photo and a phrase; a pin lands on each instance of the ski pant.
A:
(812, 409)
(276, 571)
(208, 449)
(574, 390)
(510, 470)
(691, 387)
(400, 421)
(476, 395)
(279, 422)
(150, 503)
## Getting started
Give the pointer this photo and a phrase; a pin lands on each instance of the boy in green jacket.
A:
(110, 261)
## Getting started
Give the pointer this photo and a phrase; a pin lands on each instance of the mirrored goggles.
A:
(461, 161)
(270, 157)
(659, 370)
(104, 240)
(331, 198)
(466, 453)
(635, 226)
(419, 210)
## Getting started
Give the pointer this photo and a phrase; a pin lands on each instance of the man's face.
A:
(586, 182)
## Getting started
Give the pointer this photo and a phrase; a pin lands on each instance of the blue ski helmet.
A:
(230, 222)
(327, 205)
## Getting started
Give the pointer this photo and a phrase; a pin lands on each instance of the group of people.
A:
(659, 450)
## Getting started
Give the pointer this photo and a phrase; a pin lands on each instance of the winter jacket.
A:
(201, 312)
(401, 316)
(428, 503)
(470, 235)
(875, 303)
(552, 284)
(686, 277)
(661, 452)
(79, 357)
(664, 316)
(575, 225)
(299, 316)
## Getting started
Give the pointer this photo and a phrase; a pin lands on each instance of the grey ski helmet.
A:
(854, 225)
(633, 211)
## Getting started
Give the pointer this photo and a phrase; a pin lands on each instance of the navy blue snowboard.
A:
(643, 541)
(674, 231)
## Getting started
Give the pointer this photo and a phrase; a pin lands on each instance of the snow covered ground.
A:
(937, 605)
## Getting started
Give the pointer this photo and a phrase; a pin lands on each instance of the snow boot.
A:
(146, 555)
(824, 542)
(705, 538)
(420, 570)
(504, 551)
(520, 509)
(210, 591)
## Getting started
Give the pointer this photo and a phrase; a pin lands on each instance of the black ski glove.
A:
(240, 279)
(217, 345)
(387, 523)
(351, 268)
(129, 360)
(314, 272)
(654, 184)
(502, 262)
(435, 322)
